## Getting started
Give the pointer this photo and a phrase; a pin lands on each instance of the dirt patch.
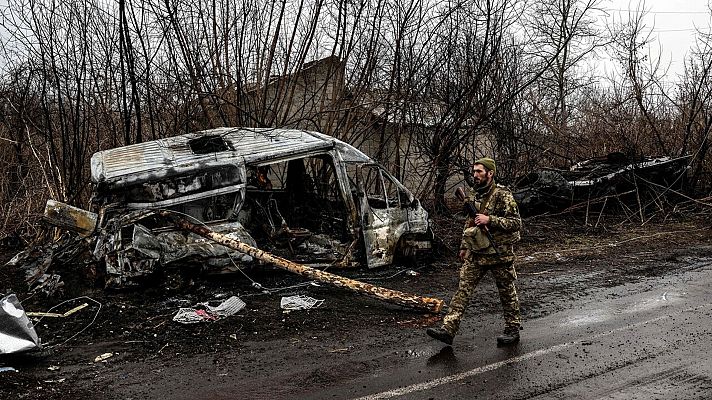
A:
(560, 260)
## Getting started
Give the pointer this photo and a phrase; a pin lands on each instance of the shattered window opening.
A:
(297, 206)
(381, 191)
(208, 144)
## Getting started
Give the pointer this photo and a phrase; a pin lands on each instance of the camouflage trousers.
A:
(470, 274)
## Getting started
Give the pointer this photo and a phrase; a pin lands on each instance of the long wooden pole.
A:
(392, 296)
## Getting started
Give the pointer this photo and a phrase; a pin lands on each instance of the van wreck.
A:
(300, 195)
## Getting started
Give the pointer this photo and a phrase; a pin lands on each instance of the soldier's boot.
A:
(441, 334)
(509, 337)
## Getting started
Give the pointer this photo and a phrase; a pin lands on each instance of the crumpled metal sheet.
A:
(17, 333)
(40, 263)
(207, 312)
(299, 302)
(129, 259)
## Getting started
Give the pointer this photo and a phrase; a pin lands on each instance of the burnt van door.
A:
(381, 211)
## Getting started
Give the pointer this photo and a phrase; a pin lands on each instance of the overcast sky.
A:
(673, 24)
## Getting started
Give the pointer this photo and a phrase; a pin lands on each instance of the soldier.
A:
(499, 214)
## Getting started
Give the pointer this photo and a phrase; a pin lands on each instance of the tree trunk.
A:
(388, 295)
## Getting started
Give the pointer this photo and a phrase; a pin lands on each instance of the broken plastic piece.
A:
(16, 331)
(7, 369)
(299, 302)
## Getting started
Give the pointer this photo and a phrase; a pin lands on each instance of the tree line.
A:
(457, 78)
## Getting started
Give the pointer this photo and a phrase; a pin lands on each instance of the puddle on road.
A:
(591, 317)
(596, 316)
(658, 301)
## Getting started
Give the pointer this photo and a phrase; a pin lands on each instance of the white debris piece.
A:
(103, 357)
(188, 316)
(299, 302)
(227, 308)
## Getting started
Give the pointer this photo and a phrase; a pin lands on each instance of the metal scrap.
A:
(17, 334)
(299, 302)
(549, 189)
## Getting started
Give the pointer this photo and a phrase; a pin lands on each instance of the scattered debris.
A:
(299, 302)
(53, 368)
(17, 333)
(392, 296)
(60, 380)
(343, 350)
(56, 315)
(103, 357)
(227, 308)
(41, 264)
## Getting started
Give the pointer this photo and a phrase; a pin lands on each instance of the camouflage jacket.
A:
(505, 223)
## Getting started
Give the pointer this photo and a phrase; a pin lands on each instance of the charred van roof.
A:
(188, 152)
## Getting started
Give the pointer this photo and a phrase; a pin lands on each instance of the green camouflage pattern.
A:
(470, 274)
(505, 225)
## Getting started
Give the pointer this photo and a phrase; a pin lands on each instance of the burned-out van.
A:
(298, 194)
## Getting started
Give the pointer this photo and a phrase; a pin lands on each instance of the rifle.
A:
(472, 212)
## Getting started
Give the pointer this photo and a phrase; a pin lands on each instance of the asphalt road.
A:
(653, 344)
(628, 325)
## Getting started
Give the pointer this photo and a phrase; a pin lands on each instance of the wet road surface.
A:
(594, 336)
(652, 344)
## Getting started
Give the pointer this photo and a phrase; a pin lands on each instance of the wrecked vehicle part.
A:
(388, 295)
(133, 252)
(298, 185)
(553, 190)
(17, 334)
(71, 218)
(294, 193)
(616, 169)
(41, 264)
(390, 213)
(541, 192)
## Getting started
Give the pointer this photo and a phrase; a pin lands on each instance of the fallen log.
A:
(392, 296)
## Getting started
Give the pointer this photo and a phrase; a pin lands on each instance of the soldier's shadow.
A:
(445, 357)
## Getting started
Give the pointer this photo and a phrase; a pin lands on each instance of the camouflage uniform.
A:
(504, 226)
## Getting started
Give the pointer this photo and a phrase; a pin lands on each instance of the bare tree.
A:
(567, 32)
(695, 112)
(642, 84)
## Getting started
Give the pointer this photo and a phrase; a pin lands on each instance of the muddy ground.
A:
(560, 260)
